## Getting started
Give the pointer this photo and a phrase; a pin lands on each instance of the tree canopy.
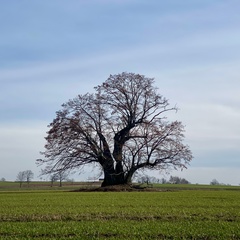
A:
(122, 127)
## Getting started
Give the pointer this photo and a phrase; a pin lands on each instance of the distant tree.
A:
(70, 180)
(154, 180)
(163, 181)
(122, 128)
(24, 176)
(143, 179)
(29, 176)
(178, 180)
(174, 180)
(147, 179)
(21, 177)
(62, 176)
(59, 176)
(2, 179)
(184, 181)
(53, 178)
(214, 182)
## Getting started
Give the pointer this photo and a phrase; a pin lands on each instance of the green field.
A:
(179, 213)
(44, 185)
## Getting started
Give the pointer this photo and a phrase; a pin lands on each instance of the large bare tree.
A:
(122, 127)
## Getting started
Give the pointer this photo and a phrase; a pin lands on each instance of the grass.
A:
(182, 214)
(44, 185)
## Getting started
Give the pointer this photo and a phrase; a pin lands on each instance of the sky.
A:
(51, 51)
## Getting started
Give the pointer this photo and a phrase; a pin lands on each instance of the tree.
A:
(53, 178)
(21, 177)
(122, 127)
(163, 181)
(214, 182)
(2, 179)
(184, 181)
(62, 175)
(178, 180)
(29, 176)
(147, 179)
(70, 180)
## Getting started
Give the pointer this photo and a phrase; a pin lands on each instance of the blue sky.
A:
(50, 51)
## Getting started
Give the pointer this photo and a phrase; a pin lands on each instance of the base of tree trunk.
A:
(117, 188)
(112, 181)
(122, 188)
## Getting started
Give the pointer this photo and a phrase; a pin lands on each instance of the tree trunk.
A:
(119, 173)
(109, 172)
(114, 176)
(117, 176)
(109, 177)
(129, 176)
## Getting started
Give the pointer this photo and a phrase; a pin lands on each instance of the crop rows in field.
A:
(120, 215)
